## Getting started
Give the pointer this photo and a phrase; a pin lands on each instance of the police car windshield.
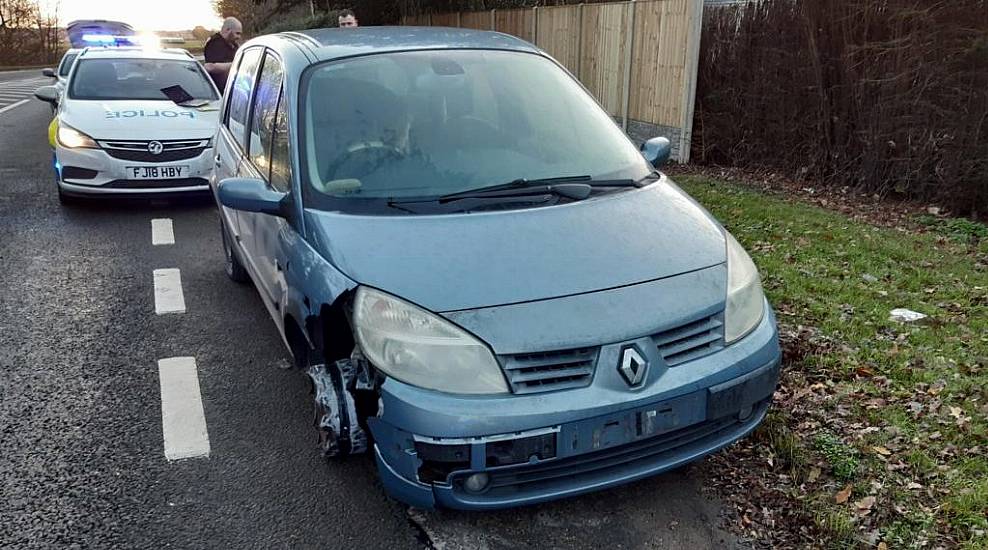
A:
(137, 79)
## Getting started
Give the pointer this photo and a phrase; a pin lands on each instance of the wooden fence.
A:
(639, 58)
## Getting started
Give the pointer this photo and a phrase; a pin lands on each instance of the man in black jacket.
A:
(219, 51)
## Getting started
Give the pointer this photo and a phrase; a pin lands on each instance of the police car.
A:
(133, 121)
(61, 73)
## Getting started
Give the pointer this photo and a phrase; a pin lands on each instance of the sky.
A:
(146, 15)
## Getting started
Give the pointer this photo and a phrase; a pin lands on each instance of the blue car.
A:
(492, 290)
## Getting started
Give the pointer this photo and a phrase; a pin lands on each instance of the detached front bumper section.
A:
(573, 458)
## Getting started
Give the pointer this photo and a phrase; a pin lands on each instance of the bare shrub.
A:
(888, 96)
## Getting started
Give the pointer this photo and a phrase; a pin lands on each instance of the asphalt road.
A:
(17, 86)
(81, 440)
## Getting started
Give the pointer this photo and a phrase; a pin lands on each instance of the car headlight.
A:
(745, 301)
(422, 349)
(74, 139)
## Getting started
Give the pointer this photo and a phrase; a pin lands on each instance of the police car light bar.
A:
(99, 39)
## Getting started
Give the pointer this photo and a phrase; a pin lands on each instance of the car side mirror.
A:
(657, 150)
(48, 94)
(50, 73)
(252, 195)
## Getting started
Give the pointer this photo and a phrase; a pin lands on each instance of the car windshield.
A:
(63, 69)
(140, 79)
(426, 124)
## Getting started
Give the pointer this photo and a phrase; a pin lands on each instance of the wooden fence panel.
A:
(516, 22)
(603, 53)
(658, 60)
(639, 57)
(476, 20)
(445, 19)
(558, 33)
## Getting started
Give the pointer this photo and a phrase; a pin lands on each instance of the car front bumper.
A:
(541, 447)
(106, 175)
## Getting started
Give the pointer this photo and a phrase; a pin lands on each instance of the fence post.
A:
(579, 45)
(493, 20)
(535, 25)
(459, 19)
(430, 19)
(691, 67)
(627, 66)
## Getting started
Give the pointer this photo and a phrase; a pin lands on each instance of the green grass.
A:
(842, 458)
(924, 386)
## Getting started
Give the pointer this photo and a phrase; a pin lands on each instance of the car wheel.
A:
(234, 269)
(66, 200)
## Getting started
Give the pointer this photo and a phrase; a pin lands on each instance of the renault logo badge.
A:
(633, 366)
(155, 147)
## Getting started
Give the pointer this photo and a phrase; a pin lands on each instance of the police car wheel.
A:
(234, 269)
(66, 200)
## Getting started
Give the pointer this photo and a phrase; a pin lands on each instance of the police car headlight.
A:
(420, 348)
(74, 139)
(745, 301)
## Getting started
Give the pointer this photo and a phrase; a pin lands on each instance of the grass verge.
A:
(879, 432)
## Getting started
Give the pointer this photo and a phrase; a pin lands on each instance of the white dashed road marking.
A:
(15, 93)
(168, 297)
(161, 231)
(183, 421)
(13, 106)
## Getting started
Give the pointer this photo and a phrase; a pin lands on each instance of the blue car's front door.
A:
(267, 159)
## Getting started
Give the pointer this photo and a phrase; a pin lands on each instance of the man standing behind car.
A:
(347, 19)
(219, 51)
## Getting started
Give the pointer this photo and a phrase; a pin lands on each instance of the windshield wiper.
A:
(575, 191)
(574, 187)
(533, 186)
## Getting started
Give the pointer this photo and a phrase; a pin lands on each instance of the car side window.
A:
(264, 113)
(281, 158)
(243, 85)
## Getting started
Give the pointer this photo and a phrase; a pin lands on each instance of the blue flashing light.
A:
(99, 38)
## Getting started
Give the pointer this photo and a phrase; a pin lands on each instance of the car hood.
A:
(465, 261)
(140, 119)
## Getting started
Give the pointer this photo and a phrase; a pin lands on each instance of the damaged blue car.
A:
(492, 290)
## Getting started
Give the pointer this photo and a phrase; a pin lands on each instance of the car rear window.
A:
(63, 69)
(138, 79)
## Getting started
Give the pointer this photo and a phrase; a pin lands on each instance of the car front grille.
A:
(691, 340)
(551, 370)
(171, 150)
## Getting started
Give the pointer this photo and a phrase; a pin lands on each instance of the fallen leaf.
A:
(881, 450)
(842, 495)
(883, 546)
(864, 505)
(914, 485)
(956, 412)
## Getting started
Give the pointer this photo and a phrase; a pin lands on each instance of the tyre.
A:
(234, 269)
(66, 200)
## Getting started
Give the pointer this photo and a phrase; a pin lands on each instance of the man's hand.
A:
(217, 67)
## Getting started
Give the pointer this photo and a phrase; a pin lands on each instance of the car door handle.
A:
(217, 160)
(277, 265)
